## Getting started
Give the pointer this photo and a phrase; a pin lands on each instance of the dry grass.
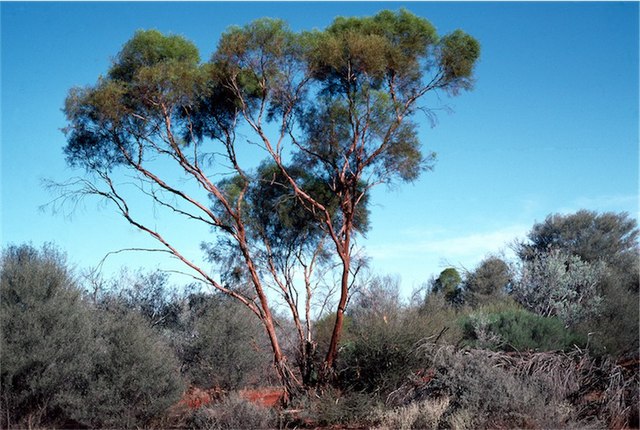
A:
(546, 389)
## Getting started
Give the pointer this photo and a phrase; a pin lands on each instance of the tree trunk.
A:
(332, 353)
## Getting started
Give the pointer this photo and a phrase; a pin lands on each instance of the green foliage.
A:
(614, 331)
(46, 338)
(459, 53)
(151, 48)
(67, 363)
(153, 76)
(448, 284)
(512, 328)
(488, 282)
(591, 236)
(134, 376)
(438, 317)
(377, 349)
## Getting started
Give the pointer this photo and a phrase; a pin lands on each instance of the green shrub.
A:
(377, 350)
(135, 374)
(514, 328)
(334, 406)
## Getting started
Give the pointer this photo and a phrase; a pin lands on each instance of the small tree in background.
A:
(489, 281)
(448, 284)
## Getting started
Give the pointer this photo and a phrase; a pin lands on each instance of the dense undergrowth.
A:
(80, 352)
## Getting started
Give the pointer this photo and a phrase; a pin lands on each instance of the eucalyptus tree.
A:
(343, 101)
(334, 112)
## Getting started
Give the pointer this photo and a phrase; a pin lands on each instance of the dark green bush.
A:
(514, 328)
(375, 351)
(377, 348)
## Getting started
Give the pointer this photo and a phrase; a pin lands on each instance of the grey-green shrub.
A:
(46, 338)
(223, 344)
(560, 284)
(233, 412)
(68, 363)
(482, 392)
(135, 375)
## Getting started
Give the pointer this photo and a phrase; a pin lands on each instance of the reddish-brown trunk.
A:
(332, 353)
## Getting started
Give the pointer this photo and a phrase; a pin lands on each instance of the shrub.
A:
(224, 345)
(46, 338)
(514, 328)
(334, 406)
(66, 363)
(135, 374)
(560, 284)
(484, 391)
(376, 353)
(488, 282)
(233, 413)
(425, 414)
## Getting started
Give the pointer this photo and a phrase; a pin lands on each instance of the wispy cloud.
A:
(447, 244)
(627, 203)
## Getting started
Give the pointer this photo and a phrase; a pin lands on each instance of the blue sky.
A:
(552, 125)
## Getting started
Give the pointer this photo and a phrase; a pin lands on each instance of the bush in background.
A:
(509, 327)
(135, 374)
(377, 352)
(223, 344)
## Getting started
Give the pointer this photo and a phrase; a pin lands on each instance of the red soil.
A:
(267, 397)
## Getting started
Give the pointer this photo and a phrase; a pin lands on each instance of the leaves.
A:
(151, 48)
(458, 55)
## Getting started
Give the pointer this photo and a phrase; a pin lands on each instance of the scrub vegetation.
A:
(135, 351)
